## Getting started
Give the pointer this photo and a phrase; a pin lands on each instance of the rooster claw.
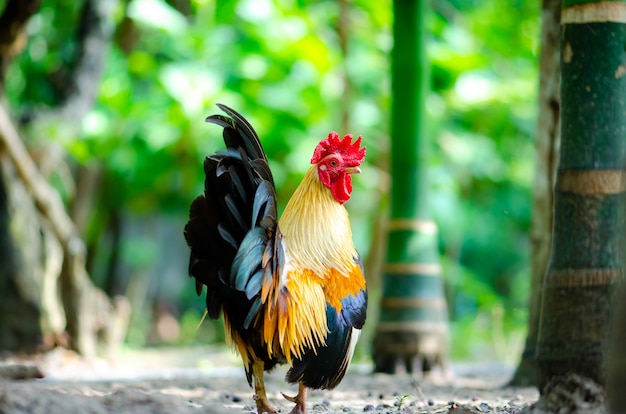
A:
(299, 400)
(263, 406)
(299, 408)
(290, 399)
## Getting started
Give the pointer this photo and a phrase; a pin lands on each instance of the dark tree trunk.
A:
(547, 140)
(20, 242)
(20, 315)
(588, 239)
(412, 330)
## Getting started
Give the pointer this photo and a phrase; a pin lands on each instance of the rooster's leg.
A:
(262, 404)
(299, 400)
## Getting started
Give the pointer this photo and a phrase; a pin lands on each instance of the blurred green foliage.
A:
(297, 69)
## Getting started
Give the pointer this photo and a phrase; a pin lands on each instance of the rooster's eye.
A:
(333, 163)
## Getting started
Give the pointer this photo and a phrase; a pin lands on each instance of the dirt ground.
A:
(165, 381)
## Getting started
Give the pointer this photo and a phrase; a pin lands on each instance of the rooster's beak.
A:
(353, 170)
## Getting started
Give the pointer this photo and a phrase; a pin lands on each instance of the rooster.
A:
(291, 290)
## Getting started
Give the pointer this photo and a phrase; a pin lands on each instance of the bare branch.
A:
(47, 200)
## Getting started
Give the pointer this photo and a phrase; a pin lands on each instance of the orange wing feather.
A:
(337, 286)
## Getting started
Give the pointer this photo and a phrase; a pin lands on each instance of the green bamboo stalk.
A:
(588, 239)
(616, 357)
(412, 330)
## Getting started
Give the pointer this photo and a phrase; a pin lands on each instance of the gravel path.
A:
(73, 386)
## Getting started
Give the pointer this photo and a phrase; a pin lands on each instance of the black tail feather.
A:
(220, 219)
(239, 133)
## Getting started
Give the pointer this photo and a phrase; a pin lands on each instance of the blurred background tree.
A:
(296, 69)
(47, 295)
(547, 145)
(412, 330)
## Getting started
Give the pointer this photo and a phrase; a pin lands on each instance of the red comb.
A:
(351, 152)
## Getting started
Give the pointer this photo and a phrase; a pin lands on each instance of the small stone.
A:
(12, 371)
(368, 407)
(431, 402)
(236, 398)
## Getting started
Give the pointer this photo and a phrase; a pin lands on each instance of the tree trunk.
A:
(20, 317)
(413, 325)
(45, 289)
(21, 248)
(547, 142)
(588, 238)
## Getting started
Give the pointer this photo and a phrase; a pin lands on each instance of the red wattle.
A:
(342, 188)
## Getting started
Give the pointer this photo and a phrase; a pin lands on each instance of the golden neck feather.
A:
(316, 229)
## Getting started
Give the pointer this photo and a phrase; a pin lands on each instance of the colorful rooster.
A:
(292, 291)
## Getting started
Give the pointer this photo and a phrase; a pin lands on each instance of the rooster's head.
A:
(336, 159)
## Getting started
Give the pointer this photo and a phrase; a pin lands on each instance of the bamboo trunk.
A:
(588, 239)
(412, 330)
(616, 359)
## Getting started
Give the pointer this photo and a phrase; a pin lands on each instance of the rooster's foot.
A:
(264, 406)
(299, 400)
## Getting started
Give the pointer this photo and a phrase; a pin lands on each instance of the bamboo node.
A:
(428, 227)
(592, 182)
(436, 303)
(604, 11)
(424, 326)
(425, 269)
(583, 277)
